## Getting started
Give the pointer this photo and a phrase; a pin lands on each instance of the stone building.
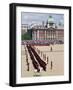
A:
(24, 28)
(48, 31)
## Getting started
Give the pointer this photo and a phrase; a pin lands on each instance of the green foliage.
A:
(26, 36)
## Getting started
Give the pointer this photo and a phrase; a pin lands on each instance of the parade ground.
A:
(52, 55)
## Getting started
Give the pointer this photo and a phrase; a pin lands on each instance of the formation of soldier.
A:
(45, 57)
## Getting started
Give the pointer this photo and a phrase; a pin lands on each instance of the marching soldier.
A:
(51, 65)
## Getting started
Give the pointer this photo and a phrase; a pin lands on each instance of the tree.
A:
(26, 36)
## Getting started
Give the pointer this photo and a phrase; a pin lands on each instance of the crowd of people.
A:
(42, 42)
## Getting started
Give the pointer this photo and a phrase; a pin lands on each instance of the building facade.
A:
(48, 32)
(24, 28)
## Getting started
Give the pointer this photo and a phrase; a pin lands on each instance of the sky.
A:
(37, 18)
